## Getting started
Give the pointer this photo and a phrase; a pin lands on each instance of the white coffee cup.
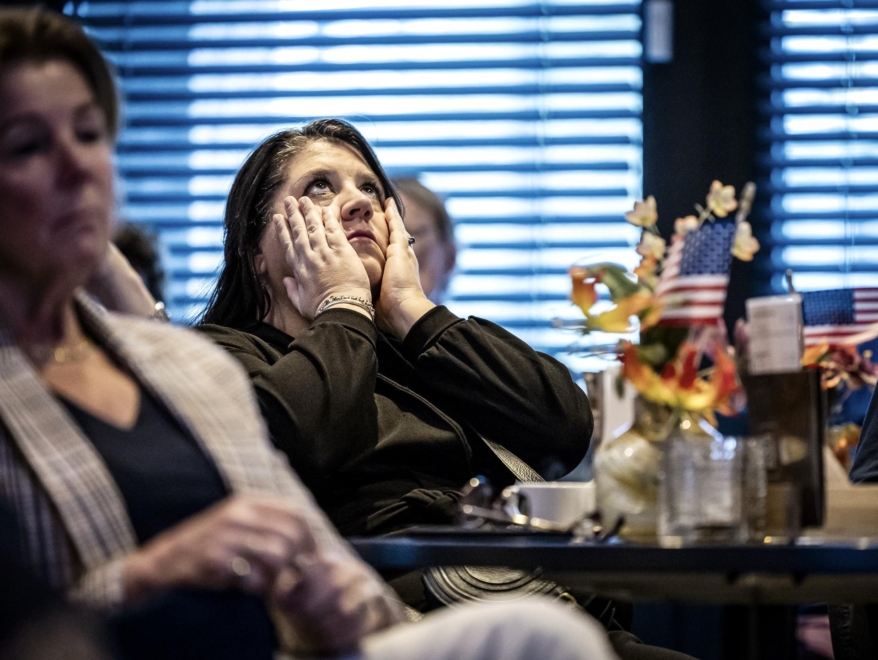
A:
(563, 502)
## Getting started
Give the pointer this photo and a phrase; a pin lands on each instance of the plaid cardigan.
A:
(76, 528)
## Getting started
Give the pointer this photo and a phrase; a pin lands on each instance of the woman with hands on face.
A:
(348, 247)
(381, 399)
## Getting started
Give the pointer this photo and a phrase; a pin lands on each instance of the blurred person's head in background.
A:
(428, 221)
(139, 247)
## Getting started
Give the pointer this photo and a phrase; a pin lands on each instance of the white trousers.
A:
(534, 629)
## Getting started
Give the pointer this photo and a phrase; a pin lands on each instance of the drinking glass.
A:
(712, 488)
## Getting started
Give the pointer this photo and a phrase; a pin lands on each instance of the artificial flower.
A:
(646, 307)
(683, 226)
(644, 213)
(584, 294)
(646, 272)
(745, 245)
(721, 199)
(631, 300)
(651, 246)
(679, 385)
(841, 364)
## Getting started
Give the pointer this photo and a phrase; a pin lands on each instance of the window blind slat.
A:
(195, 13)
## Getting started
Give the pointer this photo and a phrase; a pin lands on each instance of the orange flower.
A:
(646, 271)
(584, 294)
(813, 355)
(679, 385)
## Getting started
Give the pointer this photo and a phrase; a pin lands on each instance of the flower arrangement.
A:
(664, 366)
(843, 369)
(841, 366)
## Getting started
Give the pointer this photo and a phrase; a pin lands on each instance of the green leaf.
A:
(618, 282)
(655, 355)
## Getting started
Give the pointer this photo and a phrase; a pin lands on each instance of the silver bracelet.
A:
(332, 301)
(159, 313)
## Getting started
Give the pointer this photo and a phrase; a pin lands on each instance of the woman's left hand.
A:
(402, 301)
(332, 602)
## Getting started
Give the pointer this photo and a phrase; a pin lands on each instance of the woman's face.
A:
(334, 174)
(56, 174)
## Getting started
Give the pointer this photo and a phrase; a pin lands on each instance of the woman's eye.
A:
(89, 135)
(318, 187)
(372, 190)
(23, 148)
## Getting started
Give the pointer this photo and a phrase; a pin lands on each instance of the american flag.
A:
(695, 276)
(840, 316)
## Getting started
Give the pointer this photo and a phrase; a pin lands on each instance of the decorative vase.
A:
(627, 471)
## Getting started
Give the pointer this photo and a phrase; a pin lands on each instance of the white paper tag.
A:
(775, 334)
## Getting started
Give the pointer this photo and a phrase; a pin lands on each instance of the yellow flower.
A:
(646, 307)
(683, 226)
(644, 213)
(745, 245)
(721, 199)
(651, 246)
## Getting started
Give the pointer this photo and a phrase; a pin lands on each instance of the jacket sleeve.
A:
(491, 381)
(318, 400)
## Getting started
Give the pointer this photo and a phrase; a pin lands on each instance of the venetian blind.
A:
(524, 115)
(821, 115)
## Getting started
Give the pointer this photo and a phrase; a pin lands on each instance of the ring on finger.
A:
(411, 240)
(240, 567)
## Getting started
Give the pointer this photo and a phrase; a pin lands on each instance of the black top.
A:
(865, 467)
(162, 473)
(384, 432)
(165, 477)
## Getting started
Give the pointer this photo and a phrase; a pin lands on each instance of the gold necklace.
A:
(44, 353)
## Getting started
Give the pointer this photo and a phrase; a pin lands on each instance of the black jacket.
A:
(384, 433)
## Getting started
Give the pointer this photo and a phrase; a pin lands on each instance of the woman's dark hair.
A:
(37, 35)
(239, 300)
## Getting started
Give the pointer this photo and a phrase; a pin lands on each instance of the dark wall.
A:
(57, 5)
(699, 115)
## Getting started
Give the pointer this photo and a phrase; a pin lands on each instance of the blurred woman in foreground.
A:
(133, 453)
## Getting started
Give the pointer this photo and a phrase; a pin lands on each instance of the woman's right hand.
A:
(244, 541)
(318, 253)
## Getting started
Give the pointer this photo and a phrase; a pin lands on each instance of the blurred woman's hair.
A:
(139, 245)
(429, 201)
(39, 36)
(239, 300)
